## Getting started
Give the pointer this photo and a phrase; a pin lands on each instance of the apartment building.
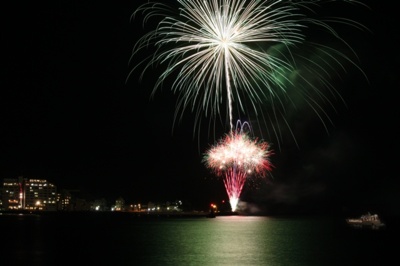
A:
(29, 194)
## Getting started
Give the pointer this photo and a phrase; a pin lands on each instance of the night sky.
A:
(69, 114)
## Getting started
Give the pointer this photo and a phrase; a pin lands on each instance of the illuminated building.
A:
(12, 193)
(29, 194)
(120, 204)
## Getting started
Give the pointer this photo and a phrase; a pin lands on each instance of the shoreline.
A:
(191, 214)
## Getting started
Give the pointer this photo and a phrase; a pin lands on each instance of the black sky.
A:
(68, 115)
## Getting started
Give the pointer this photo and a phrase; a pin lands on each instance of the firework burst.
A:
(236, 157)
(243, 54)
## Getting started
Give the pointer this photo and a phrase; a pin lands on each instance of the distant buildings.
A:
(28, 194)
(40, 195)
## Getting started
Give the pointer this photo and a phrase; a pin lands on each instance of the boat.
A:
(367, 220)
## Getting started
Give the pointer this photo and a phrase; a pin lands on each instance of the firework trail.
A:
(236, 157)
(243, 54)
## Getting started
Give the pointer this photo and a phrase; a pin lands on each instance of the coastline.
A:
(191, 214)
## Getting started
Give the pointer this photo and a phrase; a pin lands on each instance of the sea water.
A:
(111, 239)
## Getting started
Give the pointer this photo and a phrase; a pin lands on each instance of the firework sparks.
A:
(235, 157)
(242, 53)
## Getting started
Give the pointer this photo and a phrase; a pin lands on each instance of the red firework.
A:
(236, 157)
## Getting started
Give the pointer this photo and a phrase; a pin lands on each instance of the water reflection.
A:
(108, 239)
(232, 240)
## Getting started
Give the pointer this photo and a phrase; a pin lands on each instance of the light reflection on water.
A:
(233, 240)
(225, 240)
